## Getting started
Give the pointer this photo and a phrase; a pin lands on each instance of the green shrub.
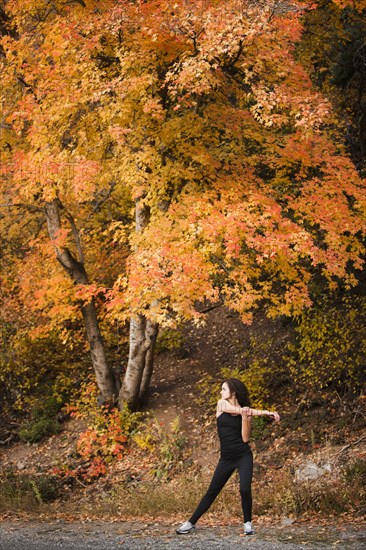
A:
(34, 431)
(25, 492)
(169, 340)
(330, 344)
(259, 427)
(37, 370)
(43, 421)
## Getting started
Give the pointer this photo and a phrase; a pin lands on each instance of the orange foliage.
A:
(201, 114)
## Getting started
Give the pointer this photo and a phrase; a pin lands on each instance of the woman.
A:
(234, 417)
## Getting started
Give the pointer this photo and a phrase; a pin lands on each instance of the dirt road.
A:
(55, 535)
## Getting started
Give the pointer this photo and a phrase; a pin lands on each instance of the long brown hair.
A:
(241, 391)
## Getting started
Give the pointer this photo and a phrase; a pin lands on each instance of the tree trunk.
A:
(136, 381)
(152, 330)
(76, 271)
(143, 334)
(104, 375)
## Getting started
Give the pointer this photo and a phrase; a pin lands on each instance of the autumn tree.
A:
(200, 117)
(41, 170)
(238, 136)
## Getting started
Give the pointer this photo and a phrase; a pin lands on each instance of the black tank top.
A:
(231, 441)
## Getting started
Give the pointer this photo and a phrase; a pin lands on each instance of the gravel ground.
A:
(32, 535)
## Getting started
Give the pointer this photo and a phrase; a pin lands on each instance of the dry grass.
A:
(167, 499)
(281, 497)
(26, 493)
(326, 496)
(178, 497)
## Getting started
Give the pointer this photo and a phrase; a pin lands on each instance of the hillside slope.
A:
(319, 440)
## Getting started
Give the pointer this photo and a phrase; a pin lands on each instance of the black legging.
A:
(222, 474)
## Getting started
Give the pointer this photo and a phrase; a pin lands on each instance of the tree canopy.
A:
(167, 154)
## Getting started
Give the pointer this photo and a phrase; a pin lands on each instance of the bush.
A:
(330, 345)
(166, 443)
(37, 370)
(106, 438)
(169, 340)
(25, 492)
(43, 421)
(259, 427)
(32, 432)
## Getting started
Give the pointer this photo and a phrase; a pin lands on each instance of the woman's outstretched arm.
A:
(258, 412)
(225, 406)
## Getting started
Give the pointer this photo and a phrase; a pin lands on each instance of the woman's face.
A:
(225, 392)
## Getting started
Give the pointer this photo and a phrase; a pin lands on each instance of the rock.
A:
(286, 522)
(20, 465)
(312, 471)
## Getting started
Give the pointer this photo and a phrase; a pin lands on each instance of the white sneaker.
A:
(186, 527)
(248, 529)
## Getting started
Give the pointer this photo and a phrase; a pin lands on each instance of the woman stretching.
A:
(234, 417)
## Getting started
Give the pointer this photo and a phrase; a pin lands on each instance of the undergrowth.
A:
(103, 442)
(326, 496)
(42, 422)
(281, 497)
(23, 492)
(165, 444)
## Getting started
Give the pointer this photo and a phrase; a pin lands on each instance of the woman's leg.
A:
(245, 468)
(223, 471)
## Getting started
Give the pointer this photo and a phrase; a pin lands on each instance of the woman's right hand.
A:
(245, 411)
(275, 416)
